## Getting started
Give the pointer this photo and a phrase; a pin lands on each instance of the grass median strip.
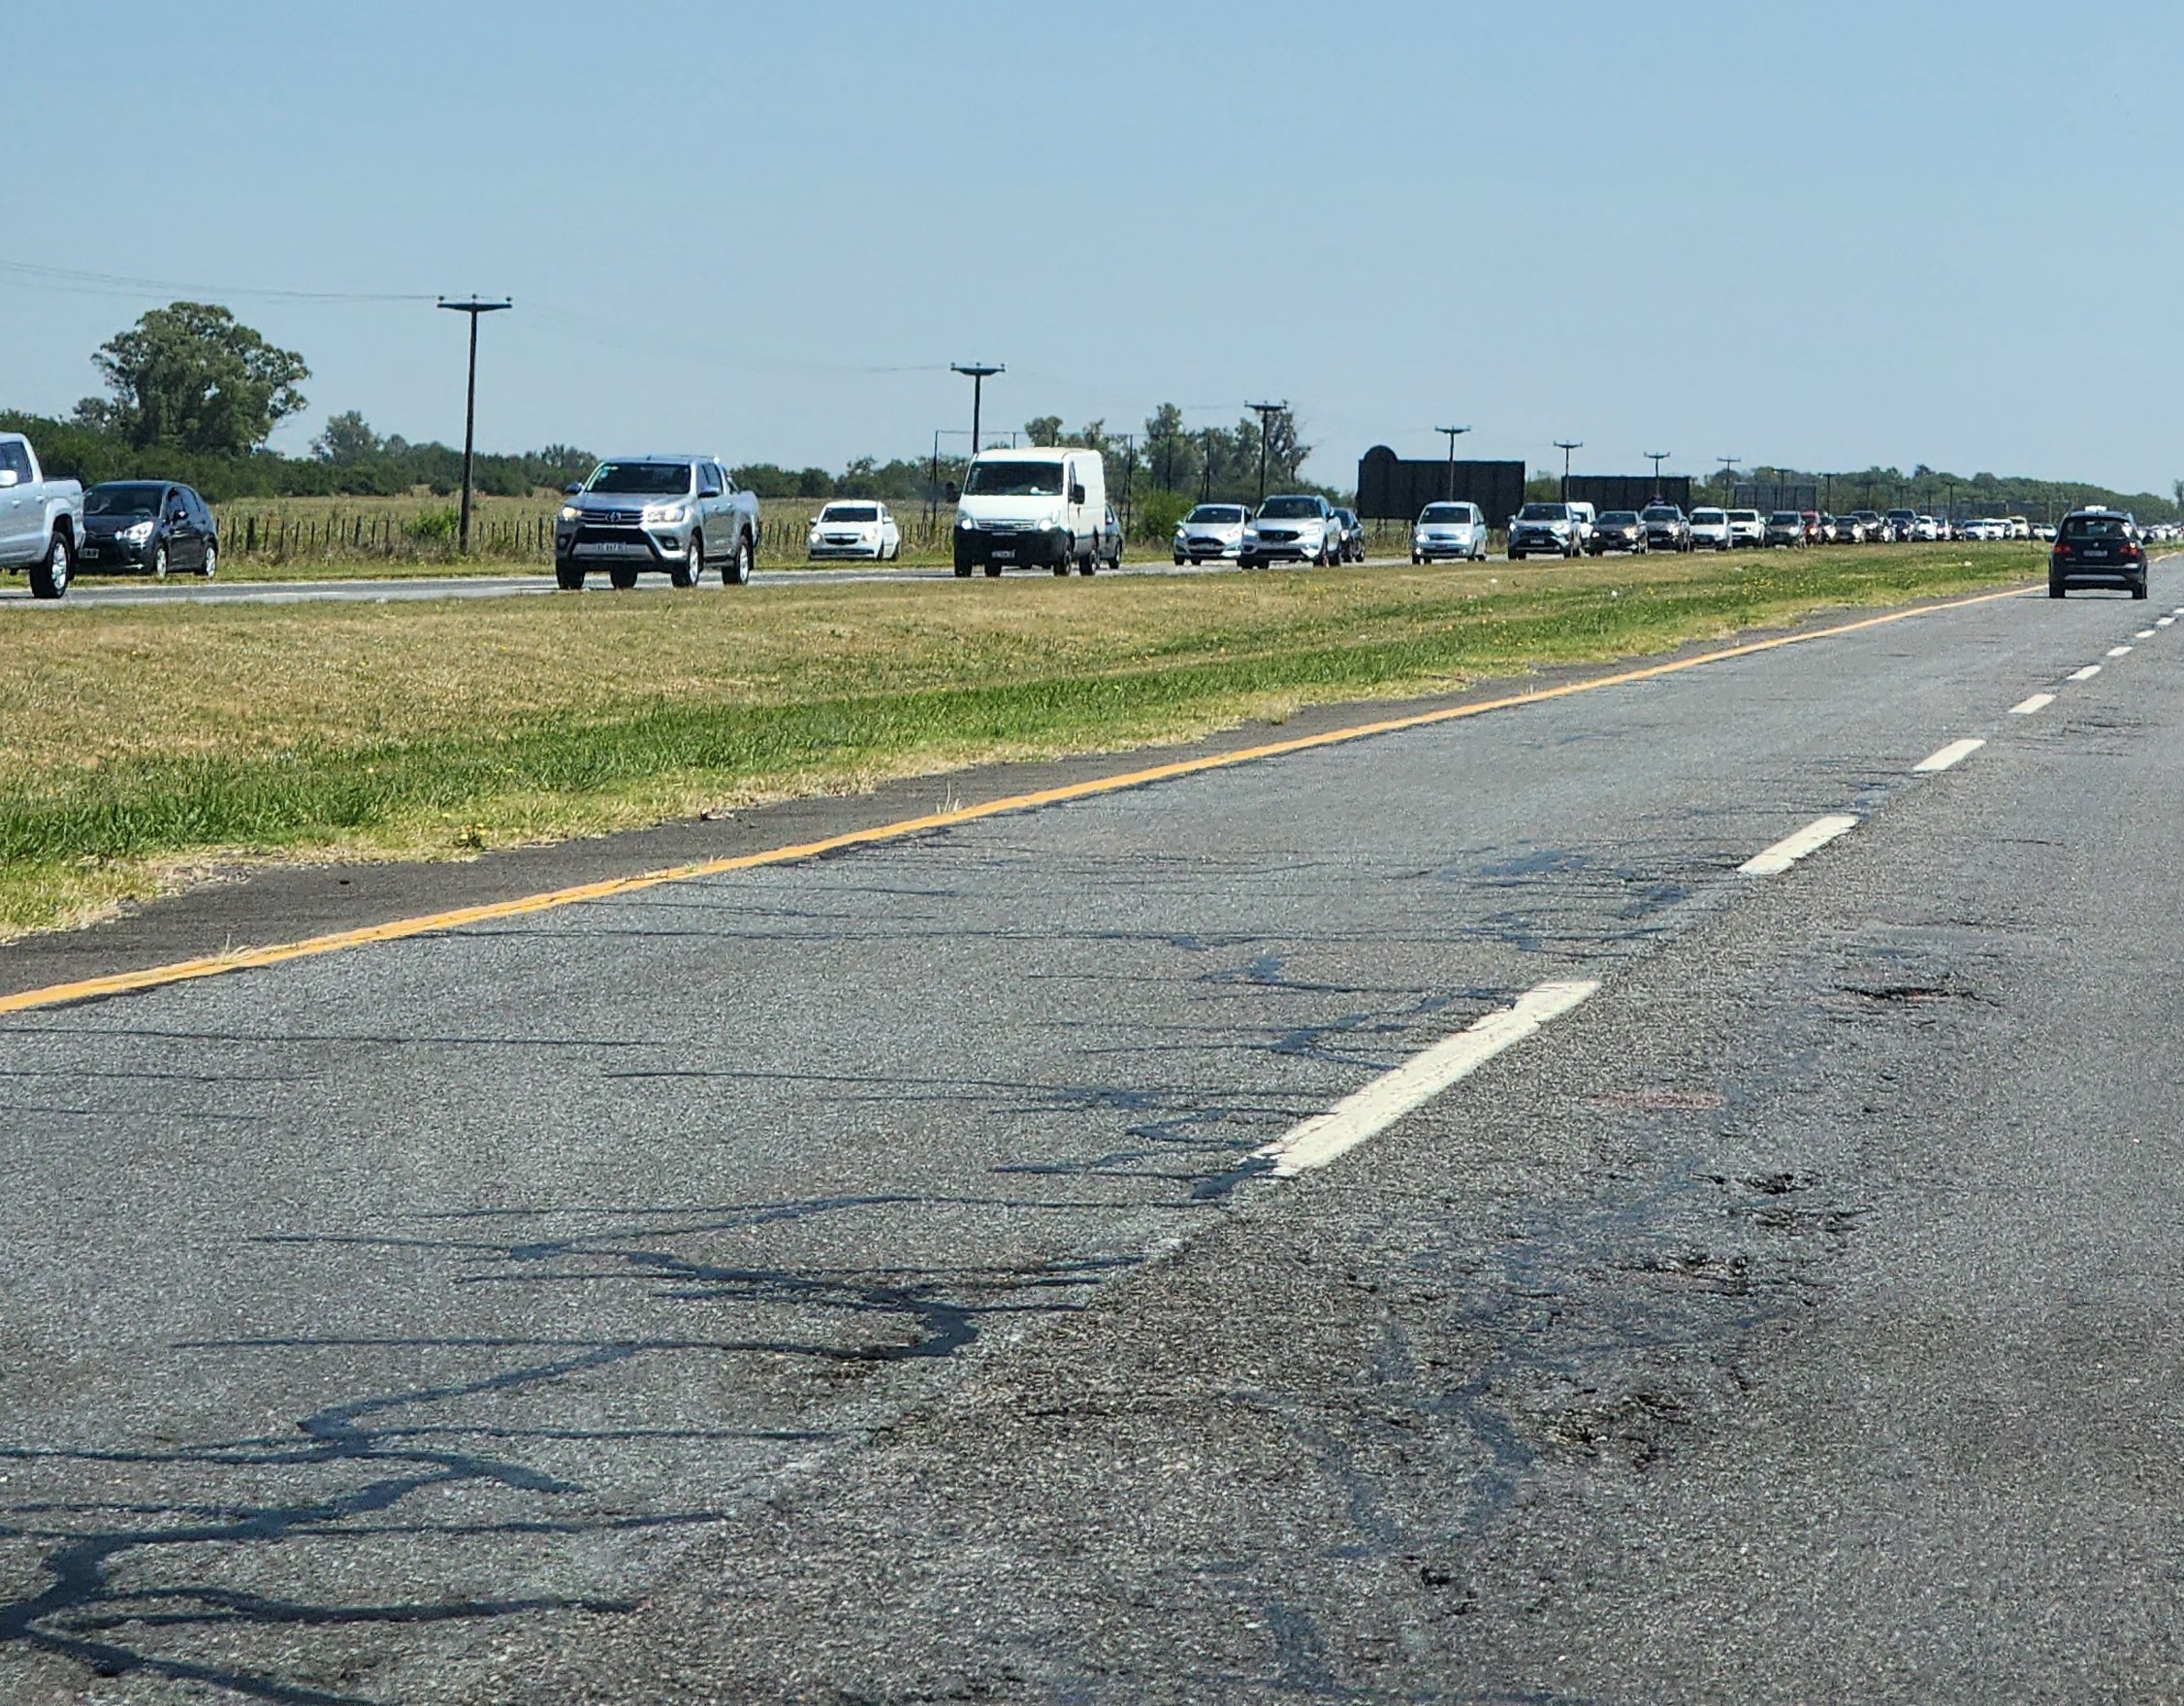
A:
(167, 742)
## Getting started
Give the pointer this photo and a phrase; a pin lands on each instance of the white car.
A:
(1747, 528)
(1710, 531)
(1293, 528)
(1448, 530)
(1213, 532)
(2020, 528)
(857, 531)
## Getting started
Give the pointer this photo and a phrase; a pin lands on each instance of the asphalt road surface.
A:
(398, 590)
(1438, 1218)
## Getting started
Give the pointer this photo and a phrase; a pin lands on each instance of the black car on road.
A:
(2099, 548)
(1617, 530)
(151, 525)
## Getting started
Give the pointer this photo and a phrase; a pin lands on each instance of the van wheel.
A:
(963, 571)
(1091, 563)
(993, 572)
(50, 579)
(1062, 569)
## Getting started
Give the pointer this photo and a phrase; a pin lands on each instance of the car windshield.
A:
(1786, 518)
(1446, 512)
(1217, 515)
(1014, 479)
(2096, 527)
(641, 479)
(129, 500)
(1288, 509)
(1544, 512)
(1619, 518)
(850, 512)
(1743, 515)
(1663, 514)
(1708, 518)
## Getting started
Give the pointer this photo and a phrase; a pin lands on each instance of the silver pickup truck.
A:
(680, 513)
(41, 520)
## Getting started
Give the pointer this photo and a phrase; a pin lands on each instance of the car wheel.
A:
(1516, 557)
(993, 572)
(2138, 588)
(693, 566)
(1180, 560)
(1061, 568)
(212, 562)
(623, 575)
(50, 579)
(568, 575)
(741, 564)
(963, 571)
(2054, 588)
(159, 563)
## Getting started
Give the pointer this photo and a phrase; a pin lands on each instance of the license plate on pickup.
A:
(610, 548)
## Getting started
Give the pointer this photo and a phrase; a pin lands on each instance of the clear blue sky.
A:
(1815, 235)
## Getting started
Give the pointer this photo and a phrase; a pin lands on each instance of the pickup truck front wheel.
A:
(50, 579)
(568, 574)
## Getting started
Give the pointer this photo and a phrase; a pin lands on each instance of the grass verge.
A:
(171, 741)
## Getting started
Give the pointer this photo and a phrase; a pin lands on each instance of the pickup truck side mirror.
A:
(572, 491)
(1077, 493)
(8, 477)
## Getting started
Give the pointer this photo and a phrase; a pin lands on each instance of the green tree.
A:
(347, 437)
(192, 376)
(1043, 431)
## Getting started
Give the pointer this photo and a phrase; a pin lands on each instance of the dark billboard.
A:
(1389, 489)
(1606, 492)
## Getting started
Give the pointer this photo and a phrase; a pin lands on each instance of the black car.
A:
(2097, 547)
(1352, 536)
(149, 524)
(1667, 528)
(1617, 530)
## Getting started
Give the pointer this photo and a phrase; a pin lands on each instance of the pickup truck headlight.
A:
(569, 512)
(667, 515)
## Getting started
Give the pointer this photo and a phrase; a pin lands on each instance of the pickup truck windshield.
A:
(642, 479)
(1288, 509)
(122, 500)
(1014, 479)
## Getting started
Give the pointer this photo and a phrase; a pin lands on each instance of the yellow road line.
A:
(433, 923)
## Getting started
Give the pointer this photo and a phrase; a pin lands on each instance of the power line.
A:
(74, 278)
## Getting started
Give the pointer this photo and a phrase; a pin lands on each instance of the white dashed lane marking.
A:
(1806, 842)
(2086, 674)
(2119, 651)
(2038, 702)
(1372, 1110)
(1948, 758)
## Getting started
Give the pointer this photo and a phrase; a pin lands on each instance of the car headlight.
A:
(139, 533)
(666, 515)
(968, 523)
(569, 512)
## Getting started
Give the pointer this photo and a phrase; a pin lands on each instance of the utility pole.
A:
(1454, 433)
(473, 307)
(1266, 411)
(1206, 472)
(978, 372)
(1657, 458)
(1729, 476)
(1565, 446)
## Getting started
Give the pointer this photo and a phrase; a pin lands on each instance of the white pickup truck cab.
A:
(1041, 508)
(41, 520)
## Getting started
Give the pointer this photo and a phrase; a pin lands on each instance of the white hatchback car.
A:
(856, 530)
(1448, 530)
(1710, 530)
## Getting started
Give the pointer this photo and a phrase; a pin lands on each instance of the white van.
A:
(1031, 508)
(1586, 519)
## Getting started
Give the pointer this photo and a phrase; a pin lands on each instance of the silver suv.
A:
(678, 513)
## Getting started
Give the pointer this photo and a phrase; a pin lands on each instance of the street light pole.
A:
(978, 372)
(1657, 458)
(1266, 411)
(1454, 433)
(473, 307)
(1565, 446)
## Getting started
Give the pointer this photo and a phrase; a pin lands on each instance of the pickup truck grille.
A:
(612, 518)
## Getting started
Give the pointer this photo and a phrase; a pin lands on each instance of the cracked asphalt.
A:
(849, 1282)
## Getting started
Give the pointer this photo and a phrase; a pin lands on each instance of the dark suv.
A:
(2097, 547)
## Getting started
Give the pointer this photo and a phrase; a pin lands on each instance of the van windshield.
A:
(1014, 479)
